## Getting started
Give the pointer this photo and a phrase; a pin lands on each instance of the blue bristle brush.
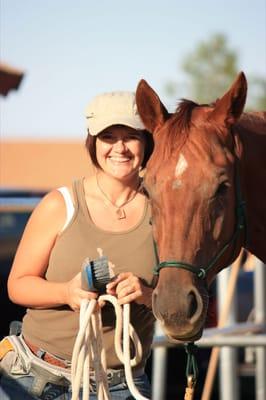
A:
(95, 274)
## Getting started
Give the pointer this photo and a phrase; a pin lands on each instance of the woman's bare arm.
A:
(26, 283)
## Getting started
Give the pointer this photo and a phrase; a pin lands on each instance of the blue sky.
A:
(74, 50)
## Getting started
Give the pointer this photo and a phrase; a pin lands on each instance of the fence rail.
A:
(245, 334)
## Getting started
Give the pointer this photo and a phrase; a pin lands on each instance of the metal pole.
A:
(228, 379)
(159, 367)
(260, 316)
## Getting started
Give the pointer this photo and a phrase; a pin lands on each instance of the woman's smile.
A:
(120, 151)
(119, 160)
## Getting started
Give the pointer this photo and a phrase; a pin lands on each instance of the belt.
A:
(46, 356)
(114, 376)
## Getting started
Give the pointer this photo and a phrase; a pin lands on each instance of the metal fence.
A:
(234, 335)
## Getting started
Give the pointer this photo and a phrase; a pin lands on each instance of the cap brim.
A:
(96, 127)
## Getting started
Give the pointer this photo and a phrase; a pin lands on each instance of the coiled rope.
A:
(89, 348)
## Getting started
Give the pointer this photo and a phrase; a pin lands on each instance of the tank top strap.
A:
(79, 197)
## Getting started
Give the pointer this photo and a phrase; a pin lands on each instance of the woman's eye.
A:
(106, 137)
(132, 137)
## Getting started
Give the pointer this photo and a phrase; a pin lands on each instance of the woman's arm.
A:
(26, 283)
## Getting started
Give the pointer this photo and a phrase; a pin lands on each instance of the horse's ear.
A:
(229, 108)
(151, 110)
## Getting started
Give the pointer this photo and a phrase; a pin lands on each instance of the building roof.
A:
(42, 165)
(10, 78)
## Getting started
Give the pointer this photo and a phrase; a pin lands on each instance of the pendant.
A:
(120, 212)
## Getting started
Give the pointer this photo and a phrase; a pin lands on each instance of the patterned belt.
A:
(47, 357)
(114, 376)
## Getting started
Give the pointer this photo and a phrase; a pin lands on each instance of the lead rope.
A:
(88, 348)
(191, 371)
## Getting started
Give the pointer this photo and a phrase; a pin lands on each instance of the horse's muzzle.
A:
(181, 312)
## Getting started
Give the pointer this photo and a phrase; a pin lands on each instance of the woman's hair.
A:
(148, 148)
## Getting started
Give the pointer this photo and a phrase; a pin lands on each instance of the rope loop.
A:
(192, 367)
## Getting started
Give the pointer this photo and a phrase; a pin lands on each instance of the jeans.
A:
(18, 387)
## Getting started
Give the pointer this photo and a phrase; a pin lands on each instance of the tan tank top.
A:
(55, 329)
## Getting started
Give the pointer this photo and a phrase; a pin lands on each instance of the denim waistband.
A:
(61, 376)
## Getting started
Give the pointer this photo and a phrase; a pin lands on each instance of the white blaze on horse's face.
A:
(180, 168)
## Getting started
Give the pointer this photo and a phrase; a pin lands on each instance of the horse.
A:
(206, 180)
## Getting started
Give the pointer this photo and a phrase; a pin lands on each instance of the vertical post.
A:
(159, 367)
(260, 317)
(228, 379)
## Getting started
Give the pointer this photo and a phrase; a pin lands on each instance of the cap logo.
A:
(90, 116)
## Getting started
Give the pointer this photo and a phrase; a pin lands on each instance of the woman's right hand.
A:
(75, 293)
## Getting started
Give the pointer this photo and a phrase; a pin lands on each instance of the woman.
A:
(105, 213)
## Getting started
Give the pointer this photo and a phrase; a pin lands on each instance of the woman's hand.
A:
(127, 288)
(75, 294)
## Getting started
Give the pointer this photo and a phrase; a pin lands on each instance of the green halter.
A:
(201, 272)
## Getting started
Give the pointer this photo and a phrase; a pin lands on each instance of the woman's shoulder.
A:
(52, 204)
(56, 198)
(49, 215)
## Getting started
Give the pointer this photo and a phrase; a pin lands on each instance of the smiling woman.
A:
(104, 214)
(120, 152)
(115, 187)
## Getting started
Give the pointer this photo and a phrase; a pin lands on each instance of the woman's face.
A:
(120, 151)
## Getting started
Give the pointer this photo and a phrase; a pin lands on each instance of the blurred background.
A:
(69, 51)
(57, 55)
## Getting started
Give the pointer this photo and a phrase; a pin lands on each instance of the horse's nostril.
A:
(192, 304)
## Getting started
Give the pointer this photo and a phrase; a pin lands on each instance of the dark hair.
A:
(148, 148)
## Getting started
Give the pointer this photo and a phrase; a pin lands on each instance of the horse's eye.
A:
(222, 189)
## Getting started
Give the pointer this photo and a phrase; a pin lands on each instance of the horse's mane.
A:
(179, 123)
(254, 121)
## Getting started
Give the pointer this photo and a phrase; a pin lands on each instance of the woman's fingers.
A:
(126, 286)
(128, 298)
(76, 294)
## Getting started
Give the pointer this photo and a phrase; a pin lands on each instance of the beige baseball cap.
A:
(114, 108)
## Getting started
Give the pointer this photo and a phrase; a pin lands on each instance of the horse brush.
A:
(95, 274)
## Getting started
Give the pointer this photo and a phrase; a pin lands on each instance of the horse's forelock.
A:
(183, 113)
(178, 126)
(180, 122)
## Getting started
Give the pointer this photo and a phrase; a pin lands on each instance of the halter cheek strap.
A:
(201, 272)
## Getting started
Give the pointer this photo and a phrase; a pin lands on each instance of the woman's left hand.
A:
(127, 288)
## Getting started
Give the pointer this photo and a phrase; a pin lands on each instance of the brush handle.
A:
(87, 278)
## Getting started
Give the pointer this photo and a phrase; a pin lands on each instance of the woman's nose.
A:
(120, 145)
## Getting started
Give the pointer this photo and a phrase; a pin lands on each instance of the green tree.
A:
(257, 93)
(211, 68)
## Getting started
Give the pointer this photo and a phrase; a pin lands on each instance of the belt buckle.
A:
(110, 376)
(115, 377)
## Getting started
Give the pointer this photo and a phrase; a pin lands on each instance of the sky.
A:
(73, 50)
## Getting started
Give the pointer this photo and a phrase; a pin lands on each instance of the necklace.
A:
(120, 212)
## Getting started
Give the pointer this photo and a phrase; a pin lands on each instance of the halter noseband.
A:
(202, 271)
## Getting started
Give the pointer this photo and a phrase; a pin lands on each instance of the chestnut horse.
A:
(207, 184)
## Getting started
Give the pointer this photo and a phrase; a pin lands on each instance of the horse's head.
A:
(191, 178)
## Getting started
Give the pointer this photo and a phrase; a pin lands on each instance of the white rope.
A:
(126, 346)
(88, 348)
